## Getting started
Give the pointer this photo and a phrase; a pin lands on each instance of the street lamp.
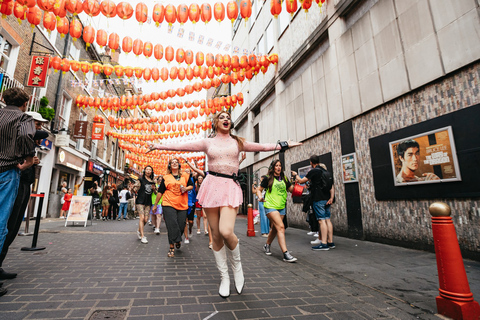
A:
(107, 172)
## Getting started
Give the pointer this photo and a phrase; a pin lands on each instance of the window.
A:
(254, 12)
(64, 112)
(105, 146)
(283, 21)
(261, 46)
(257, 134)
(50, 36)
(94, 149)
(89, 78)
(9, 53)
(269, 41)
(111, 153)
(74, 52)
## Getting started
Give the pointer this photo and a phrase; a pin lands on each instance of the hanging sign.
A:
(98, 131)
(38, 71)
(80, 131)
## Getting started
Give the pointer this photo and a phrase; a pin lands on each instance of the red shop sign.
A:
(38, 71)
(98, 131)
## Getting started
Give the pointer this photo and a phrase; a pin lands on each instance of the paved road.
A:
(104, 271)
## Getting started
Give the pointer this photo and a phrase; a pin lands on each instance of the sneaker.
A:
(210, 246)
(153, 227)
(149, 223)
(322, 247)
(199, 232)
(311, 233)
(331, 245)
(119, 219)
(265, 235)
(190, 234)
(144, 240)
(157, 231)
(139, 235)
(187, 241)
(206, 232)
(315, 234)
(316, 241)
(266, 248)
(287, 257)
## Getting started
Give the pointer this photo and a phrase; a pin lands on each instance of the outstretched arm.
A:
(197, 146)
(194, 168)
(257, 147)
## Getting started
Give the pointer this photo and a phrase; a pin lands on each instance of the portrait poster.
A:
(429, 157)
(349, 168)
(79, 209)
(302, 172)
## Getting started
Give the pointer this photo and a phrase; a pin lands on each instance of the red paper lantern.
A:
(173, 73)
(124, 10)
(91, 7)
(27, 3)
(155, 74)
(113, 41)
(102, 38)
(210, 60)
(107, 69)
(63, 26)
(232, 10)
(127, 45)
(96, 68)
(199, 58)
(59, 9)
(20, 12)
(206, 12)
(34, 16)
(273, 58)
(218, 60)
(291, 6)
(88, 35)
(49, 20)
(138, 72)
(180, 55)
(181, 74)
(169, 53)
(74, 65)
(45, 5)
(306, 4)
(147, 74)
(85, 67)
(203, 72)
(219, 11)
(170, 14)
(141, 12)
(164, 75)
(119, 70)
(65, 65)
(194, 13)
(246, 9)
(108, 8)
(158, 51)
(189, 73)
(206, 84)
(147, 49)
(211, 72)
(275, 7)
(138, 47)
(188, 57)
(182, 13)
(74, 6)
(158, 13)
(129, 72)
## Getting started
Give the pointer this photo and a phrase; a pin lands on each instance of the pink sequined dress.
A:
(222, 152)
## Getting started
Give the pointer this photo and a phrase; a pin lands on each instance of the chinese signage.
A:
(426, 158)
(98, 131)
(80, 131)
(349, 168)
(94, 168)
(38, 72)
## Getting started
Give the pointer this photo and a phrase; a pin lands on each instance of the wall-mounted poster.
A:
(429, 157)
(79, 209)
(302, 172)
(349, 168)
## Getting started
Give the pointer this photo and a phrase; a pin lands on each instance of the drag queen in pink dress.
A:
(221, 194)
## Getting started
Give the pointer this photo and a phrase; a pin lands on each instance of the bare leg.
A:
(324, 231)
(158, 221)
(277, 223)
(330, 231)
(142, 222)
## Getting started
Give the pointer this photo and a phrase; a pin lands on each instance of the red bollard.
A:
(455, 299)
(250, 229)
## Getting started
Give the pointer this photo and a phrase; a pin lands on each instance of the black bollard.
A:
(37, 225)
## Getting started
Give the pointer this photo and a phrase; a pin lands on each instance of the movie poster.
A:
(426, 158)
(349, 168)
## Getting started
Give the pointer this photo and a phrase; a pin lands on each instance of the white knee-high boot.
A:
(236, 262)
(222, 266)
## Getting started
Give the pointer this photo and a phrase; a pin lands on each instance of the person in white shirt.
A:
(124, 196)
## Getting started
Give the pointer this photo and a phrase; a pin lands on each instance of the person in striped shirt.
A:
(17, 149)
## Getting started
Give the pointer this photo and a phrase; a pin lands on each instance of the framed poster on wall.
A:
(428, 157)
(349, 168)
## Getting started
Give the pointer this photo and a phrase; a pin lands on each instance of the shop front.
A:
(94, 174)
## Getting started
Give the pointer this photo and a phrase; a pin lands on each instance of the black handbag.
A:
(285, 221)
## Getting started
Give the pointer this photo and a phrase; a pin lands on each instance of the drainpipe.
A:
(58, 96)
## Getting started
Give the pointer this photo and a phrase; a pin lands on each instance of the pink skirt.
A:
(219, 192)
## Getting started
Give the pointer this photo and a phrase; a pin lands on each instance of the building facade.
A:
(357, 77)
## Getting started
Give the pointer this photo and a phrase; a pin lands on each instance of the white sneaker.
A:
(139, 235)
(190, 234)
(199, 232)
(311, 233)
(144, 240)
(187, 241)
(316, 241)
(316, 235)
(157, 231)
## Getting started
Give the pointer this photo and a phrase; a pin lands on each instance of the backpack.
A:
(326, 181)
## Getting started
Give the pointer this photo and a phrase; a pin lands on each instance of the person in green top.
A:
(276, 184)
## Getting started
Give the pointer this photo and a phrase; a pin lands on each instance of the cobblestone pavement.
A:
(103, 271)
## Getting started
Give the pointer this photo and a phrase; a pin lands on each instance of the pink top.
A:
(222, 151)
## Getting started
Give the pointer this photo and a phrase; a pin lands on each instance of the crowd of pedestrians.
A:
(178, 197)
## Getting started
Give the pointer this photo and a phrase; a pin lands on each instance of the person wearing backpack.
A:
(323, 194)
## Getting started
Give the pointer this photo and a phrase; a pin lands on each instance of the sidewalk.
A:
(103, 270)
